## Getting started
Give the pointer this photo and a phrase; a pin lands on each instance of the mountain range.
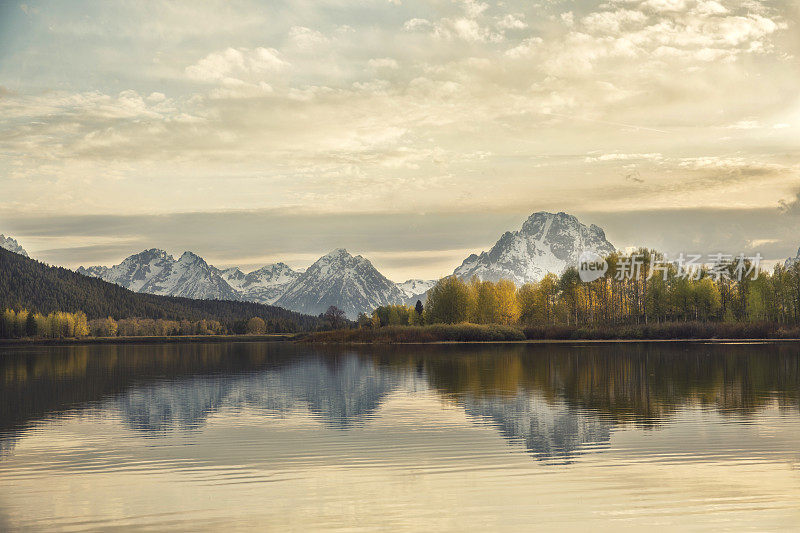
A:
(28, 284)
(156, 272)
(546, 242)
(350, 283)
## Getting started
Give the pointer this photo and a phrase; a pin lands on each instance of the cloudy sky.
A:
(411, 132)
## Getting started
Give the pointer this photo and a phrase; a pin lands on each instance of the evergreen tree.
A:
(31, 325)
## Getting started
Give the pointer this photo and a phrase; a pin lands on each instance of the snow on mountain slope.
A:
(416, 287)
(350, 283)
(266, 284)
(12, 245)
(190, 277)
(133, 272)
(233, 277)
(547, 242)
(156, 272)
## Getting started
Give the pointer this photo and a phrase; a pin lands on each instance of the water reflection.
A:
(548, 430)
(557, 401)
(340, 395)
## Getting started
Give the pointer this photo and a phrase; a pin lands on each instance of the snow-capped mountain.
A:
(547, 242)
(787, 264)
(350, 283)
(12, 245)
(264, 285)
(416, 287)
(156, 272)
(135, 271)
(233, 277)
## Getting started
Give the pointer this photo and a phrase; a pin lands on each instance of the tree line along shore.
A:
(24, 324)
(731, 300)
(641, 305)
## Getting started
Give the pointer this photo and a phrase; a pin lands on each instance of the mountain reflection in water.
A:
(558, 401)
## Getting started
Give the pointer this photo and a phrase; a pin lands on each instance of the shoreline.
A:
(496, 333)
(765, 340)
(169, 339)
(212, 339)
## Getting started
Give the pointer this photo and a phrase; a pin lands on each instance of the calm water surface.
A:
(277, 436)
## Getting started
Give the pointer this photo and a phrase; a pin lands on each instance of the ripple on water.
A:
(447, 438)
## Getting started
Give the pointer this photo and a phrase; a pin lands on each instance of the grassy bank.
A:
(667, 330)
(497, 333)
(417, 334)
(33, 341)
(464, 333)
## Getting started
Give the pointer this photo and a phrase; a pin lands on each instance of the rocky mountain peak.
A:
(547, 242)
(153, 253)
(337, 255)
(351, 283)
(155, 271)
(12, 245)
(191, 257)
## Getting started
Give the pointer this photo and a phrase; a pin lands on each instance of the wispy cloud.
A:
(141, 110)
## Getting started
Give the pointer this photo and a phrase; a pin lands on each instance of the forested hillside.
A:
(29, 284)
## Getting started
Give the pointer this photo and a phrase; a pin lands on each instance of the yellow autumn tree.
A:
(506, 304)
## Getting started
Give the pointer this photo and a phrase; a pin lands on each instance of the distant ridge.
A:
(26, 283)
(546, 243)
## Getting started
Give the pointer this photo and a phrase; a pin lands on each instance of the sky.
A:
(413, 133)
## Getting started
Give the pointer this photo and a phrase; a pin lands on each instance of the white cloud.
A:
(710, 7)
(306, 38)
(156, 97)
(613, 22)
(469, 30)
(562, 100)
(473, 8)
(525, 48)
(624, 157)
(233, 63)
(512, 21)
(666, 5)
(383, 62)
(417, 24)
(745, 125)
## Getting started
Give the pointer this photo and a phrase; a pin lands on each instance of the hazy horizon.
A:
(412, 133)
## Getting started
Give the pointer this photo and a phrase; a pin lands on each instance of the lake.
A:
(279, 436)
